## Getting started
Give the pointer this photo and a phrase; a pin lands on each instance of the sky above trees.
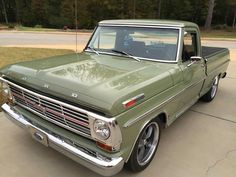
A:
(59, 13)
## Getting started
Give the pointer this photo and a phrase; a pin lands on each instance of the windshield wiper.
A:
(126, 54)
(93, 50)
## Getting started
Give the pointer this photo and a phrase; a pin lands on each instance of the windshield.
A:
(141, 42)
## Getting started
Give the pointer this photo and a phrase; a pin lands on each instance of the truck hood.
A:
(98, 82)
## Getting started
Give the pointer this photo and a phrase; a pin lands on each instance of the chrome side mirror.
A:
(196, 58)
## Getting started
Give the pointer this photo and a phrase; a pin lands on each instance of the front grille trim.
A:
(55, 122)
(62, 114)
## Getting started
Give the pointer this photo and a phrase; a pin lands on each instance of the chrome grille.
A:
(61, 115)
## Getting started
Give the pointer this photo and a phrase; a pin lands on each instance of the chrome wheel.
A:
(214, 87)
(145, 146)
(148, 143)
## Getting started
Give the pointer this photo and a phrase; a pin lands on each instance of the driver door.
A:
(193, 70)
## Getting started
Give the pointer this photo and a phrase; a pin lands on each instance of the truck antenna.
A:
(76, 26)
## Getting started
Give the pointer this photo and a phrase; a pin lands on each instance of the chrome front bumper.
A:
(102, 167)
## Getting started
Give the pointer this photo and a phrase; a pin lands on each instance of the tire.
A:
(145, 147)
(210, 95)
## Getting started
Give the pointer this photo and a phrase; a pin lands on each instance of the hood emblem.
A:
(24, 78)
(46, 86)
(74, 95)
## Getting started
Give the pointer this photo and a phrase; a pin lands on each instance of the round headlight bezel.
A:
(101, 129)
(5, 91)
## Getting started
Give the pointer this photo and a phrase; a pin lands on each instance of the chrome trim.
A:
(179, 52)
(140, 96)
(191, 63)
(52, 112)
(55, 122)
(131, 122)
(196, 58)
(141, 25)
(116, 137)
(105, 167)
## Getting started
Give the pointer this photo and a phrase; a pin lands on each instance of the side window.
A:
(189, 46)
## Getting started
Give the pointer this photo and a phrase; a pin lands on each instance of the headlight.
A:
(101, 129)
(5, 91)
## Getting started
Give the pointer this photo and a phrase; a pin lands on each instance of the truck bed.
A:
(211, 51)
(216, 59)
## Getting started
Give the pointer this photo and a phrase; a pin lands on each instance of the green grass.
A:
(219, 34)
(23, 28)
(11, 55)
(3, 27)
(38, 28)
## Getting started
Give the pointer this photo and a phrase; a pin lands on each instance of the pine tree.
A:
(211, 6)
(39, 11)
(68, 13)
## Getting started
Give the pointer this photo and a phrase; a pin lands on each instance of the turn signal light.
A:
(133, 101)
(104, 146)
(130, 103)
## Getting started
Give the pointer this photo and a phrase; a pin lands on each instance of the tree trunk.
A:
(210, 14)
(234, 19)
(159, 9)
(226, 16)
(122, 9)
(4, 11)
(134, 9)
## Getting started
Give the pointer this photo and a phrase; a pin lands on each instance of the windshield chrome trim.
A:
(141, 25)
(178, 54)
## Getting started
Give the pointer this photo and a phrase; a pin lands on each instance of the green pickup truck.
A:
(105, 107)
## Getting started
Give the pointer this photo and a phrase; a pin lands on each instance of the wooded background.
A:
(60, 13)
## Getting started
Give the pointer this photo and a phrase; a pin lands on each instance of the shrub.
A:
(11, 26)
(220, 27)
(38, 26)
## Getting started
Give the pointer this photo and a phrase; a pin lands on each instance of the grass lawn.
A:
(16, 27)
(39, 29)
(10, 55)
(219, 34)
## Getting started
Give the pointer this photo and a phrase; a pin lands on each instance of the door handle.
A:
(190, 64)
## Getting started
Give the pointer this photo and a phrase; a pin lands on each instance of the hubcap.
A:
(148, 143)
(214, 87)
